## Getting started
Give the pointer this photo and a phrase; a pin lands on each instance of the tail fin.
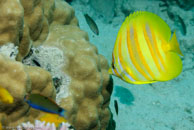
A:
(174, 45)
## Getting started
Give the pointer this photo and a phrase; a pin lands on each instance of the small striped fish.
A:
(46, 104)
(144, 51)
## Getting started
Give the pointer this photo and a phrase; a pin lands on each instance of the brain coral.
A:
(52, 23)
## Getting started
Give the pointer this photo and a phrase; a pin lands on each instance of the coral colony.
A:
(44, 52)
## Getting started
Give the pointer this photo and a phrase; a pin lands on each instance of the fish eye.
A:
(60, 110)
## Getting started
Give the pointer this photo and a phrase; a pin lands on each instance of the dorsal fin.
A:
(144, 17)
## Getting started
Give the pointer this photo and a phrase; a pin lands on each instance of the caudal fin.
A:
(174, 45)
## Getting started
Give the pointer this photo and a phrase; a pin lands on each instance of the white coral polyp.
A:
(26, 126)
(9, 50)
(39, 125)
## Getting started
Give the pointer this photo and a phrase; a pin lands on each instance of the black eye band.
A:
(113, 66)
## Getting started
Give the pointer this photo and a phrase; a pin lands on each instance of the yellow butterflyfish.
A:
(144, 50)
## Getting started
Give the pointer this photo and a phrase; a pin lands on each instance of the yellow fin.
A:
(110, 71)
(52, 118)
(174, 45)
(5, 96)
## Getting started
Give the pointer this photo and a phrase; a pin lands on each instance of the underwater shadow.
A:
(124, 95)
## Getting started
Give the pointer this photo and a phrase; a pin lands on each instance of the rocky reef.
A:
(41, 42)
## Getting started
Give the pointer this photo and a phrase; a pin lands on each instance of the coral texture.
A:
(20, 80)
(26, 23)
(38, 125)
(88, 104)
(52, 23)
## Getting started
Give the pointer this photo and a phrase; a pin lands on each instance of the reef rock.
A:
(89, 100)
(41, 23)
(20, 80)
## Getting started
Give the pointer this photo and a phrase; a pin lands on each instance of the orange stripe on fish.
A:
(145, 66)
(116, 72)
(129, 46)
(119, 52)
(123, 65)
(157, 50)
(142, 65)
(153, 54)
